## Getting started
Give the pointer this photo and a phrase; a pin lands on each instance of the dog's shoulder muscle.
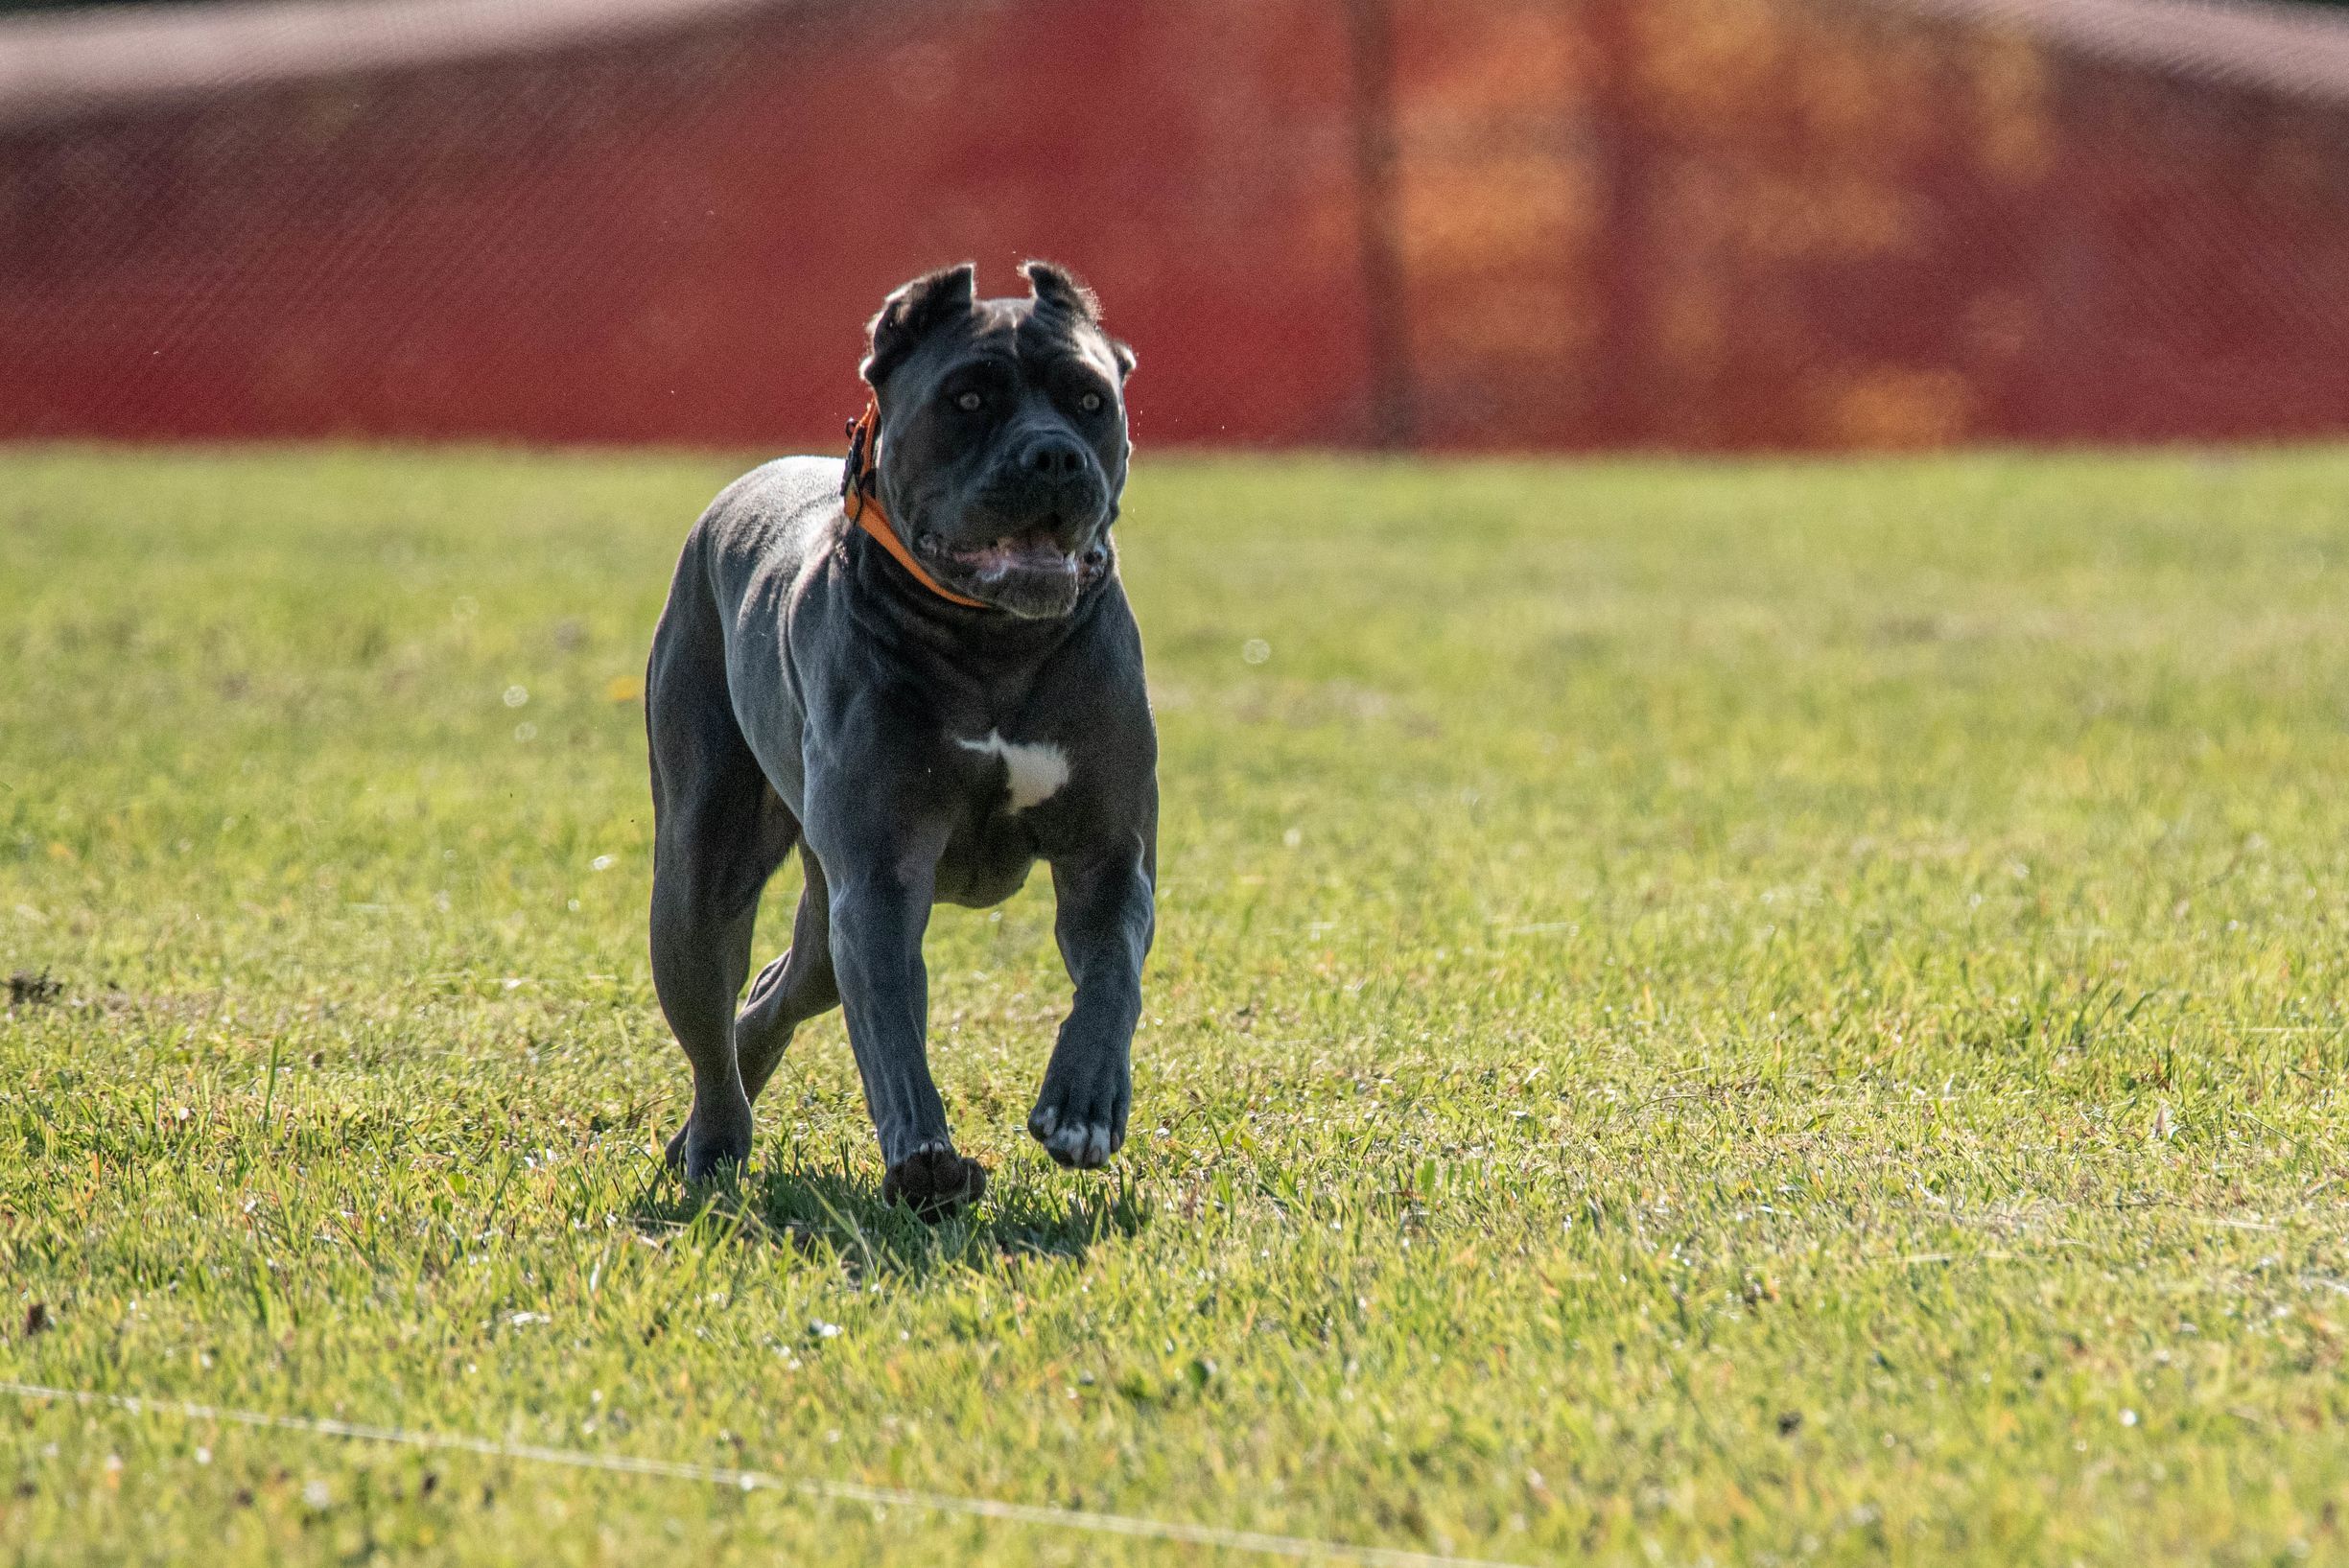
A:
(738, 581)
(763, 527)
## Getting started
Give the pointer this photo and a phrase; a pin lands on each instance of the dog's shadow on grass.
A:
(1030, 1211)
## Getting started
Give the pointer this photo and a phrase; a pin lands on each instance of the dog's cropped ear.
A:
(1057, 287)
(908, 314)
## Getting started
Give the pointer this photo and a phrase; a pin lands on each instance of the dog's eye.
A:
(969, 402)
(1091, 403)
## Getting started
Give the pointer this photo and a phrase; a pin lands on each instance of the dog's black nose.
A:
(1054, 458)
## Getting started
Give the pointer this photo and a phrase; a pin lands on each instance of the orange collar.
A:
(861, 500)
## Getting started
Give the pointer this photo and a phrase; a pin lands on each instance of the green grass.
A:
(1750, 1013)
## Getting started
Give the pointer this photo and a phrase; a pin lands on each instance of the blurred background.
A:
(1474, 224)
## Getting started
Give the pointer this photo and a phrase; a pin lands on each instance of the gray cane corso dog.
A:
(925, 676)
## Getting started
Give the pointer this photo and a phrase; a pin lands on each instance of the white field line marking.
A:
(718, 1475)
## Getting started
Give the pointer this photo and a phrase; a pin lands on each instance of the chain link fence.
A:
(1494, 225)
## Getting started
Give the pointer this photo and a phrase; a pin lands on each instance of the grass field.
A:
(1749, 1013)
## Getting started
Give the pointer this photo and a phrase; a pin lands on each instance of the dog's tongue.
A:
(1027, 552)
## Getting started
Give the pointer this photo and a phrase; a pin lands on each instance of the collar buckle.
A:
(859, 477)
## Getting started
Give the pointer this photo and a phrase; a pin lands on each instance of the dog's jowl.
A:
(919, 670)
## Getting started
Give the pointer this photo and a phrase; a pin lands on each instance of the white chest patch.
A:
(1032, 772)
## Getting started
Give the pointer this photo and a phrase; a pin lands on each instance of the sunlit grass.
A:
(1761, 1013)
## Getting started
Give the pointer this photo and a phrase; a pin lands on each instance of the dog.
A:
(921, 672)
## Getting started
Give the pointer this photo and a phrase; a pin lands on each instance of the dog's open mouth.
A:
(1030, 554)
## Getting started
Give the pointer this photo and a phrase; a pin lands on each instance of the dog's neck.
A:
(861, 500)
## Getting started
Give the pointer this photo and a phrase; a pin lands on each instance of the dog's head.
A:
(1003, 434)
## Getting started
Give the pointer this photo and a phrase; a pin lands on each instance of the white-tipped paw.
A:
(1079, 1142)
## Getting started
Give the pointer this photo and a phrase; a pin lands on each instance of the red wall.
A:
(1705, 223)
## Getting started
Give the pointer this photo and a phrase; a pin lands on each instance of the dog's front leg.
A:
(1104, 923)
(880, 908)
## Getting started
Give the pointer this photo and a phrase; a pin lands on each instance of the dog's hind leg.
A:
(791, 989)
(714, 844)
(719, 833)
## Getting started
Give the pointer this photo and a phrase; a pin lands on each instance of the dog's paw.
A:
(699, 1153)
(1081, 1125)
(934, 1182)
